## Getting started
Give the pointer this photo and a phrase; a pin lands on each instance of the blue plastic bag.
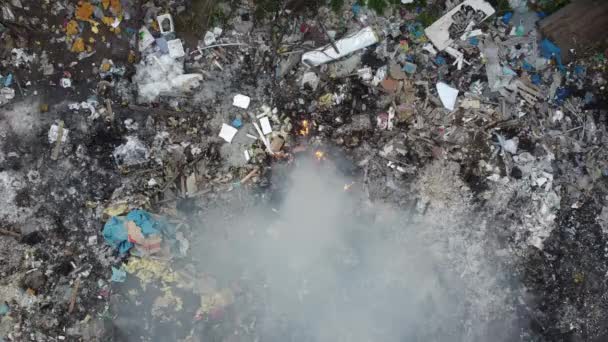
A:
(118, 275)
(550, 50)
(116, 235)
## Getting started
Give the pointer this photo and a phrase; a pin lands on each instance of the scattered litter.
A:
(131, 153)
(165, 23)
(311, 79)
(440, 31)
(145, 38)
(66, 82)
(54, 134)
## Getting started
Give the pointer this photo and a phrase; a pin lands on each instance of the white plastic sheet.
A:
(347, 45)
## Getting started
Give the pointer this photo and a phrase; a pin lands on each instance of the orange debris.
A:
(84, 11)
(107, 20)
(78, 45)
(105, 4)
(72, 28)
(116, 6)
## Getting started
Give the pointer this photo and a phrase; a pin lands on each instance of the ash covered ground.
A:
(299, 171)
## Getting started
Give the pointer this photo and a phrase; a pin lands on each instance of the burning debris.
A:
(297, 172)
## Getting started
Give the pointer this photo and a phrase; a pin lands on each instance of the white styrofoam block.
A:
(241, 101)
(266, 127)
(227, 132)
(176, 49)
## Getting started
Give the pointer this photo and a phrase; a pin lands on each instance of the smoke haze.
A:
(325, 264)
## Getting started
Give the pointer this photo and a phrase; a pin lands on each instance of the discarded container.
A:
(165, 23)
(176, 49)
(266, 127)
(131, 153)
(345, 46)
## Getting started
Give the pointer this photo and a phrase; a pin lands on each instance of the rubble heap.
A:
(129, 131)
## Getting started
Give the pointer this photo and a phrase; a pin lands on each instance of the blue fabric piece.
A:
(237, 123)
(8, 80)
(410, 68)
(474, 41)
(507, 18)
(527, 66)
(356, 9)
(115, 234)
(439, 60)
(143, 220)
(579, 70)
(541, 15)
(118, 275)
(561, 94)
(536, 79)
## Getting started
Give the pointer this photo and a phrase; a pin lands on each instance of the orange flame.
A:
(320, 155)
(305, 130)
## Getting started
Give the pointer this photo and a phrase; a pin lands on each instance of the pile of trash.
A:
(124, 125)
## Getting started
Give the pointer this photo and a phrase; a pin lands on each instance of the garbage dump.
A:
(189, 171)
